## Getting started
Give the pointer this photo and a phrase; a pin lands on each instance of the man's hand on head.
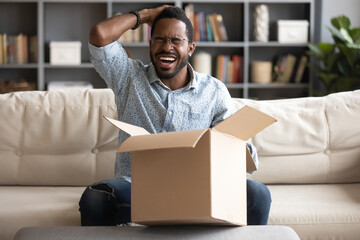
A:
(148, 15)
(111, 29)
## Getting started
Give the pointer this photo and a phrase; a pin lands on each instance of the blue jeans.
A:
(107, 203)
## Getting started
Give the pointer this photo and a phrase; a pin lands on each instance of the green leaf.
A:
(311, 54)
(338, 38)
(328, 79)
(357, 70)
(353, 45)
(346, 35)
(316, 50)
(344, 83)
(351, 54)
(338, 64)
(326, 48)
(341, 22)
(355, 35)
(330, 62)
(316, 68)
(343, 67)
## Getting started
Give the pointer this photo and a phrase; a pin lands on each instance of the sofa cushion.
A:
(317, 211)
(316, 139)
(38, 206)
(57, 137)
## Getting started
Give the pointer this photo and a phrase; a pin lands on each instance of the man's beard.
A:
(178, 68)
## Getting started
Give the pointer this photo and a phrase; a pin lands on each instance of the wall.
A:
(333, 8)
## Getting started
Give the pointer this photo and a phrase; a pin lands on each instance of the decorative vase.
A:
(261, 23)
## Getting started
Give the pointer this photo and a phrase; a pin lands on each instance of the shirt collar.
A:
(194, 83)
(193, 79)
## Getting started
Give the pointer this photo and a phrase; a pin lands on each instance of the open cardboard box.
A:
(192, 177)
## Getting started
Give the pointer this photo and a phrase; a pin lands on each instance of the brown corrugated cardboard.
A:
(192, 177)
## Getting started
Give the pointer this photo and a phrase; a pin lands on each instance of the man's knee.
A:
(95, 195)
(258, 203)
(97, 206)
(258, 191)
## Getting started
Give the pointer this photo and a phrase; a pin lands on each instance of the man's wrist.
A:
(144, 15)
(138, 21)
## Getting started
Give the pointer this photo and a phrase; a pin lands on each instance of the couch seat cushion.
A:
(323, 211)
(37, 206)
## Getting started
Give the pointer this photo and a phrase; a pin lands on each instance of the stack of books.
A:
(18, 49)
(289, 68)
(141, 34)
(7, 86)
(229, 69)
(207, 27)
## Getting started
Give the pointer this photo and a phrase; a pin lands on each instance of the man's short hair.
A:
(178, 13)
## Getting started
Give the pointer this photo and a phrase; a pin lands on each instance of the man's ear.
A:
(191, 48)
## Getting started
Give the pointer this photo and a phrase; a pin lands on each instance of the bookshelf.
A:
(65, 20)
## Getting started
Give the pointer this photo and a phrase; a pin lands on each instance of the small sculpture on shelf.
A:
(261, 23)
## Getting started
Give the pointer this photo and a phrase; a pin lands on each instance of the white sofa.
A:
(53, 144)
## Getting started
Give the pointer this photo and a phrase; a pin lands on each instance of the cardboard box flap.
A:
(245, 123)
(182, 139)
(132, 130)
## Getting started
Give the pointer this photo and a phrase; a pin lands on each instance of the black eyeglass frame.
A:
(174, 41)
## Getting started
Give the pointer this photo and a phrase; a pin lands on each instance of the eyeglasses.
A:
(174, 41)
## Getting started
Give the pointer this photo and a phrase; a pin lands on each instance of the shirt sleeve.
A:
(224, 106)
(254, 155)
(112, 63)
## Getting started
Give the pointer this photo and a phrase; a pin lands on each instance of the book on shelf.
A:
(33, 49)
(22, 55)
(196, 28)
(13, 85)
(300, 69)
(209, 31)
(207, 26)
(214, 28)
(238, 68)
(230, 71)
(229, 68)
(1, 49)
(202, 24)
(221, 67)
(141, 34)
(189, 10)
(289, 68)
(10, 49)
(222, 29)
(16, 49)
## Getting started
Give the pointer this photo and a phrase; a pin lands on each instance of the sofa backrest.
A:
(57, 137)
(316, 139)
(60, 138)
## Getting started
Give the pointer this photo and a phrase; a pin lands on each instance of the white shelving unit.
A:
(69, 20)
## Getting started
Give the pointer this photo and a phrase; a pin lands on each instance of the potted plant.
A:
(338, 63)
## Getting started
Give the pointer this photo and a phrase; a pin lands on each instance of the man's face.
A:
(169, 47)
